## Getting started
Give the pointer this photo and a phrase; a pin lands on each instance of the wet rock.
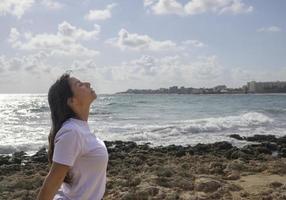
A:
(17, 157)
(241, 154)
(236, 136)
(222, 146)
(263, 150)
(8, 169)
(262, 138)
(272, 146)
(282, 152)
(41, 156)
(201, 149)
(281, 140)
(4, 160)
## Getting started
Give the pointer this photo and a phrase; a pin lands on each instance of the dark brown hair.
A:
(58, 96)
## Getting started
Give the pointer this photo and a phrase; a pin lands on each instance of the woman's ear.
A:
(70, 102)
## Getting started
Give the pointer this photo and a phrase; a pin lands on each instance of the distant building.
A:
(173, 89)
(266, 87)
(220, 88)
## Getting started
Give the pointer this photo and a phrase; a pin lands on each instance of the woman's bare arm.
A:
(53, 181)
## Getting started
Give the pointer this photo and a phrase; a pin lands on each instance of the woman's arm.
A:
(53, 181)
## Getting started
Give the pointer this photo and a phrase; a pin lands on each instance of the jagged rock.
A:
(41, 156)
(8, 169)
(236, 136)
(281, 140)
(262, 138)
(207, 184)
(275, 184)
(18, 156)
(4, 160)
(234, 175)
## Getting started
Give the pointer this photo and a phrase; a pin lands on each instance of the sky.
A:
(141, 44)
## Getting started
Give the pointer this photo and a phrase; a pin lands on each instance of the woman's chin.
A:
(94, 96)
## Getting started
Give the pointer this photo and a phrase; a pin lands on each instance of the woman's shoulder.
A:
(68, 127)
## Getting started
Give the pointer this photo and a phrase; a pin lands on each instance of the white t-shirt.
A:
(87, 156)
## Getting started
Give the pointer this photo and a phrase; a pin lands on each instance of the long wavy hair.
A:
(58, 96)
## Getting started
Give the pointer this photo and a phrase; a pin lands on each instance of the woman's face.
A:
(82, 91)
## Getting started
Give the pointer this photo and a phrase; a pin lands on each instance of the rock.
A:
(184, 184)
(233, 187)
(275, 184)
(272, 146)
(281, 140)
(216, 167)
(17, 157)
(240, 154)
(236, 165)
(234, 175)
(263, 150)
(165, 182)
(41, 156)
(165, 172)
(8, 169)
(150, 190)
(201, 149)
(206, 184)
(262, 138)
(236, 136)
(222, 145)
(4, 160)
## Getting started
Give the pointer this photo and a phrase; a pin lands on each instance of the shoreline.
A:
(203, 171)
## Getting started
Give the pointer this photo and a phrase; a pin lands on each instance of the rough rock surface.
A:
(205, 171)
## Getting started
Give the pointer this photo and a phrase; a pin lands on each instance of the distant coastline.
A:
(250, 87)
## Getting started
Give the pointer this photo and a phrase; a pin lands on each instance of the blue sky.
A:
(118, 45)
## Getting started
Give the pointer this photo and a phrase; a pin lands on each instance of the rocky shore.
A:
(204, 171)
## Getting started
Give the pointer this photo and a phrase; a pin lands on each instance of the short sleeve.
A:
(68, 146)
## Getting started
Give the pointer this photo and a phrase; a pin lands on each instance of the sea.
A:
(158, 119)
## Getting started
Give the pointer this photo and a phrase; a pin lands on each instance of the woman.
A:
(77, 158)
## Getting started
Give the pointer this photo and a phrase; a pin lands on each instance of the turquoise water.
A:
(158, 119)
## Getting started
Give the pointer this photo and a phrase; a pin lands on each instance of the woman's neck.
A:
(83, 113)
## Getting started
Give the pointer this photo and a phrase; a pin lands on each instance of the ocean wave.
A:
(100, 113)
(207, 125)
(40, 109)
(28, 147)
(275, 110)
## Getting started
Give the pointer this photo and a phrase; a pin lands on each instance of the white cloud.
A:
(15, 7)
(193, 7)
(33, 62)
(19, 7)
(168, 7)
(236, 7)
(151, 72)
(194, 43)
(206, 68)
(100, 14)
(51, 4)
(67, 41)
(269, 29)
(134, 41)
(81, 66)
(65, 29)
